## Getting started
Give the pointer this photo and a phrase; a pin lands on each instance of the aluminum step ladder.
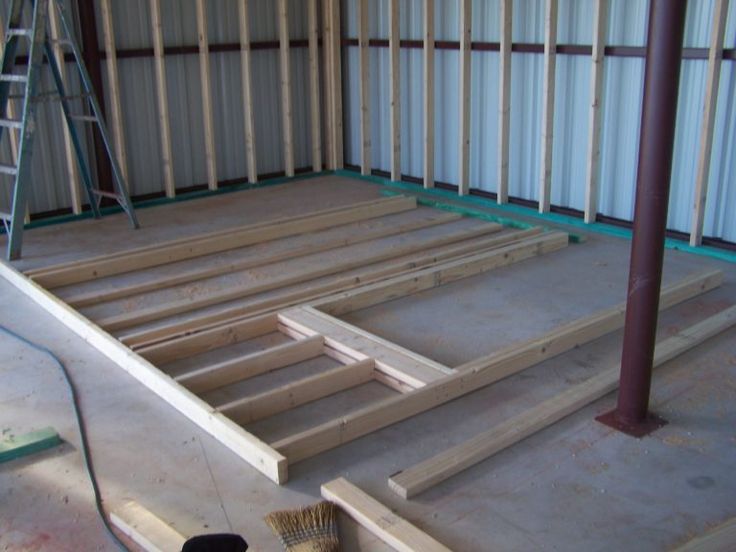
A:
(40, 47)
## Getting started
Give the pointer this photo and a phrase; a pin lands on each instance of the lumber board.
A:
(314, 97)
(164, 125)
(247, 446)
(548, 104)
(164, 310)
(454, 460)
(210, 155)
(394, 45)
(141, 339)
(429, 278)
(247, 366)
(378, 519)
(463, 179)
(365, 95)
(504, 101)
(479, 373)
(336, 96)
(247, 86)
(95, 297)
(285, 72)
(596, 113)
(214, 242)
(397, 362)
(715, 54)
(327, 84)
(428, 55)
(721, 538)
(210, 339)
(72, 167)
(300, 392)
(146, 529)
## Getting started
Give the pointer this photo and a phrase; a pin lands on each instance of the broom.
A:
(308, 529)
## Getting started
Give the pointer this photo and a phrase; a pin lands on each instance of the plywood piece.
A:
(214, 242)
(379, 520)
(247, 366)
(205, 80)
(297, 393)
(397, 362)
(478, 373)
(146, 529)
(247, 86)
(452, 461)
(548, 104)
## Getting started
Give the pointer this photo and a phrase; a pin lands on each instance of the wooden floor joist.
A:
(379, 520)
(164, 310)
(95, 297)
(452, 461)
(177, 331)
(188, 248)
(146, 529)
(477, 374)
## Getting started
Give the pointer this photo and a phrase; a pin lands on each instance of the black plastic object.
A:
(221, 542)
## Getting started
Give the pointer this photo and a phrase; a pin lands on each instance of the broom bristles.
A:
(308, 529)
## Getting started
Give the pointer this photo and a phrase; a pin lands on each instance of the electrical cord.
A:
(82, 432)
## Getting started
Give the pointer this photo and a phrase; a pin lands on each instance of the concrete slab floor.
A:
(575, 486)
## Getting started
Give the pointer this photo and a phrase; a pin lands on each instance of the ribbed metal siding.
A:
(622, 97)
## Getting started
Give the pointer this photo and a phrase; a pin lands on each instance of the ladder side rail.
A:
(9, 52)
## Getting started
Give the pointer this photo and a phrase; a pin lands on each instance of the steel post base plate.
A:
(637, 429)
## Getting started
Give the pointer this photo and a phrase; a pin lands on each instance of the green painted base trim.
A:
(29, 443)
(181, 197)
(556, 218)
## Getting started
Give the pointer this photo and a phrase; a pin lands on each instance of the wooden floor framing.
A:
(425, 249)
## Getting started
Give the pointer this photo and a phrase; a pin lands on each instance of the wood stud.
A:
(429, 94)
(395, 86)
(314, 98)
(205, 83)
(247, 85)
(285, 68)
(504, 101)
(365, 98)
(464, 124)
(548, 104)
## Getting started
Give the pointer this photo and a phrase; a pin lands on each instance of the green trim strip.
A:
(556, 218)
(182, 197)
(29, 443)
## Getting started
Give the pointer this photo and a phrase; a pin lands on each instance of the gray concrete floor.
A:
(575, 486)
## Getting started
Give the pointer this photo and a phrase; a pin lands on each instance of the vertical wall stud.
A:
(594, 122)
(365, 98)
(395, 77)
(111, 60)
(429, 94)
(548, 108)
(327, 74)
(72, 169)
(286, 114)
(464, 127)
(205, 80)
(336, 94)
(245, 73)
(162, 97)
(313, 23)
(504, 101)
(720, 11)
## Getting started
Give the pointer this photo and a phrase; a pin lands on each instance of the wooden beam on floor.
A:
(223, 240)
(299, 392)
(314, 97)
(715, 54)
(247, 86)
(98, 296)
(397, 362)
(504, 101)
(140, 339)
(285, 71)
(592, 181)
(379, 520)
(204, 77)
(160, 311)
(246, 445)
(463, 180)
(394, 45)
(164, 126)
(428, 94)
(548, 104)
(146, 529)
(454, 460)
(477, 374)
(247, 366)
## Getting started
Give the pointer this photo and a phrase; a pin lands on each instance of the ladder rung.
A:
(86, 118)
(6, 216)
(14, 123)
(20, 32)
(8, 169)
(13, 78)
(60, 41)
(102, 193)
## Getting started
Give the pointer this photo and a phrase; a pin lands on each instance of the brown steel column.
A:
(659, 112)
(93, 61)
